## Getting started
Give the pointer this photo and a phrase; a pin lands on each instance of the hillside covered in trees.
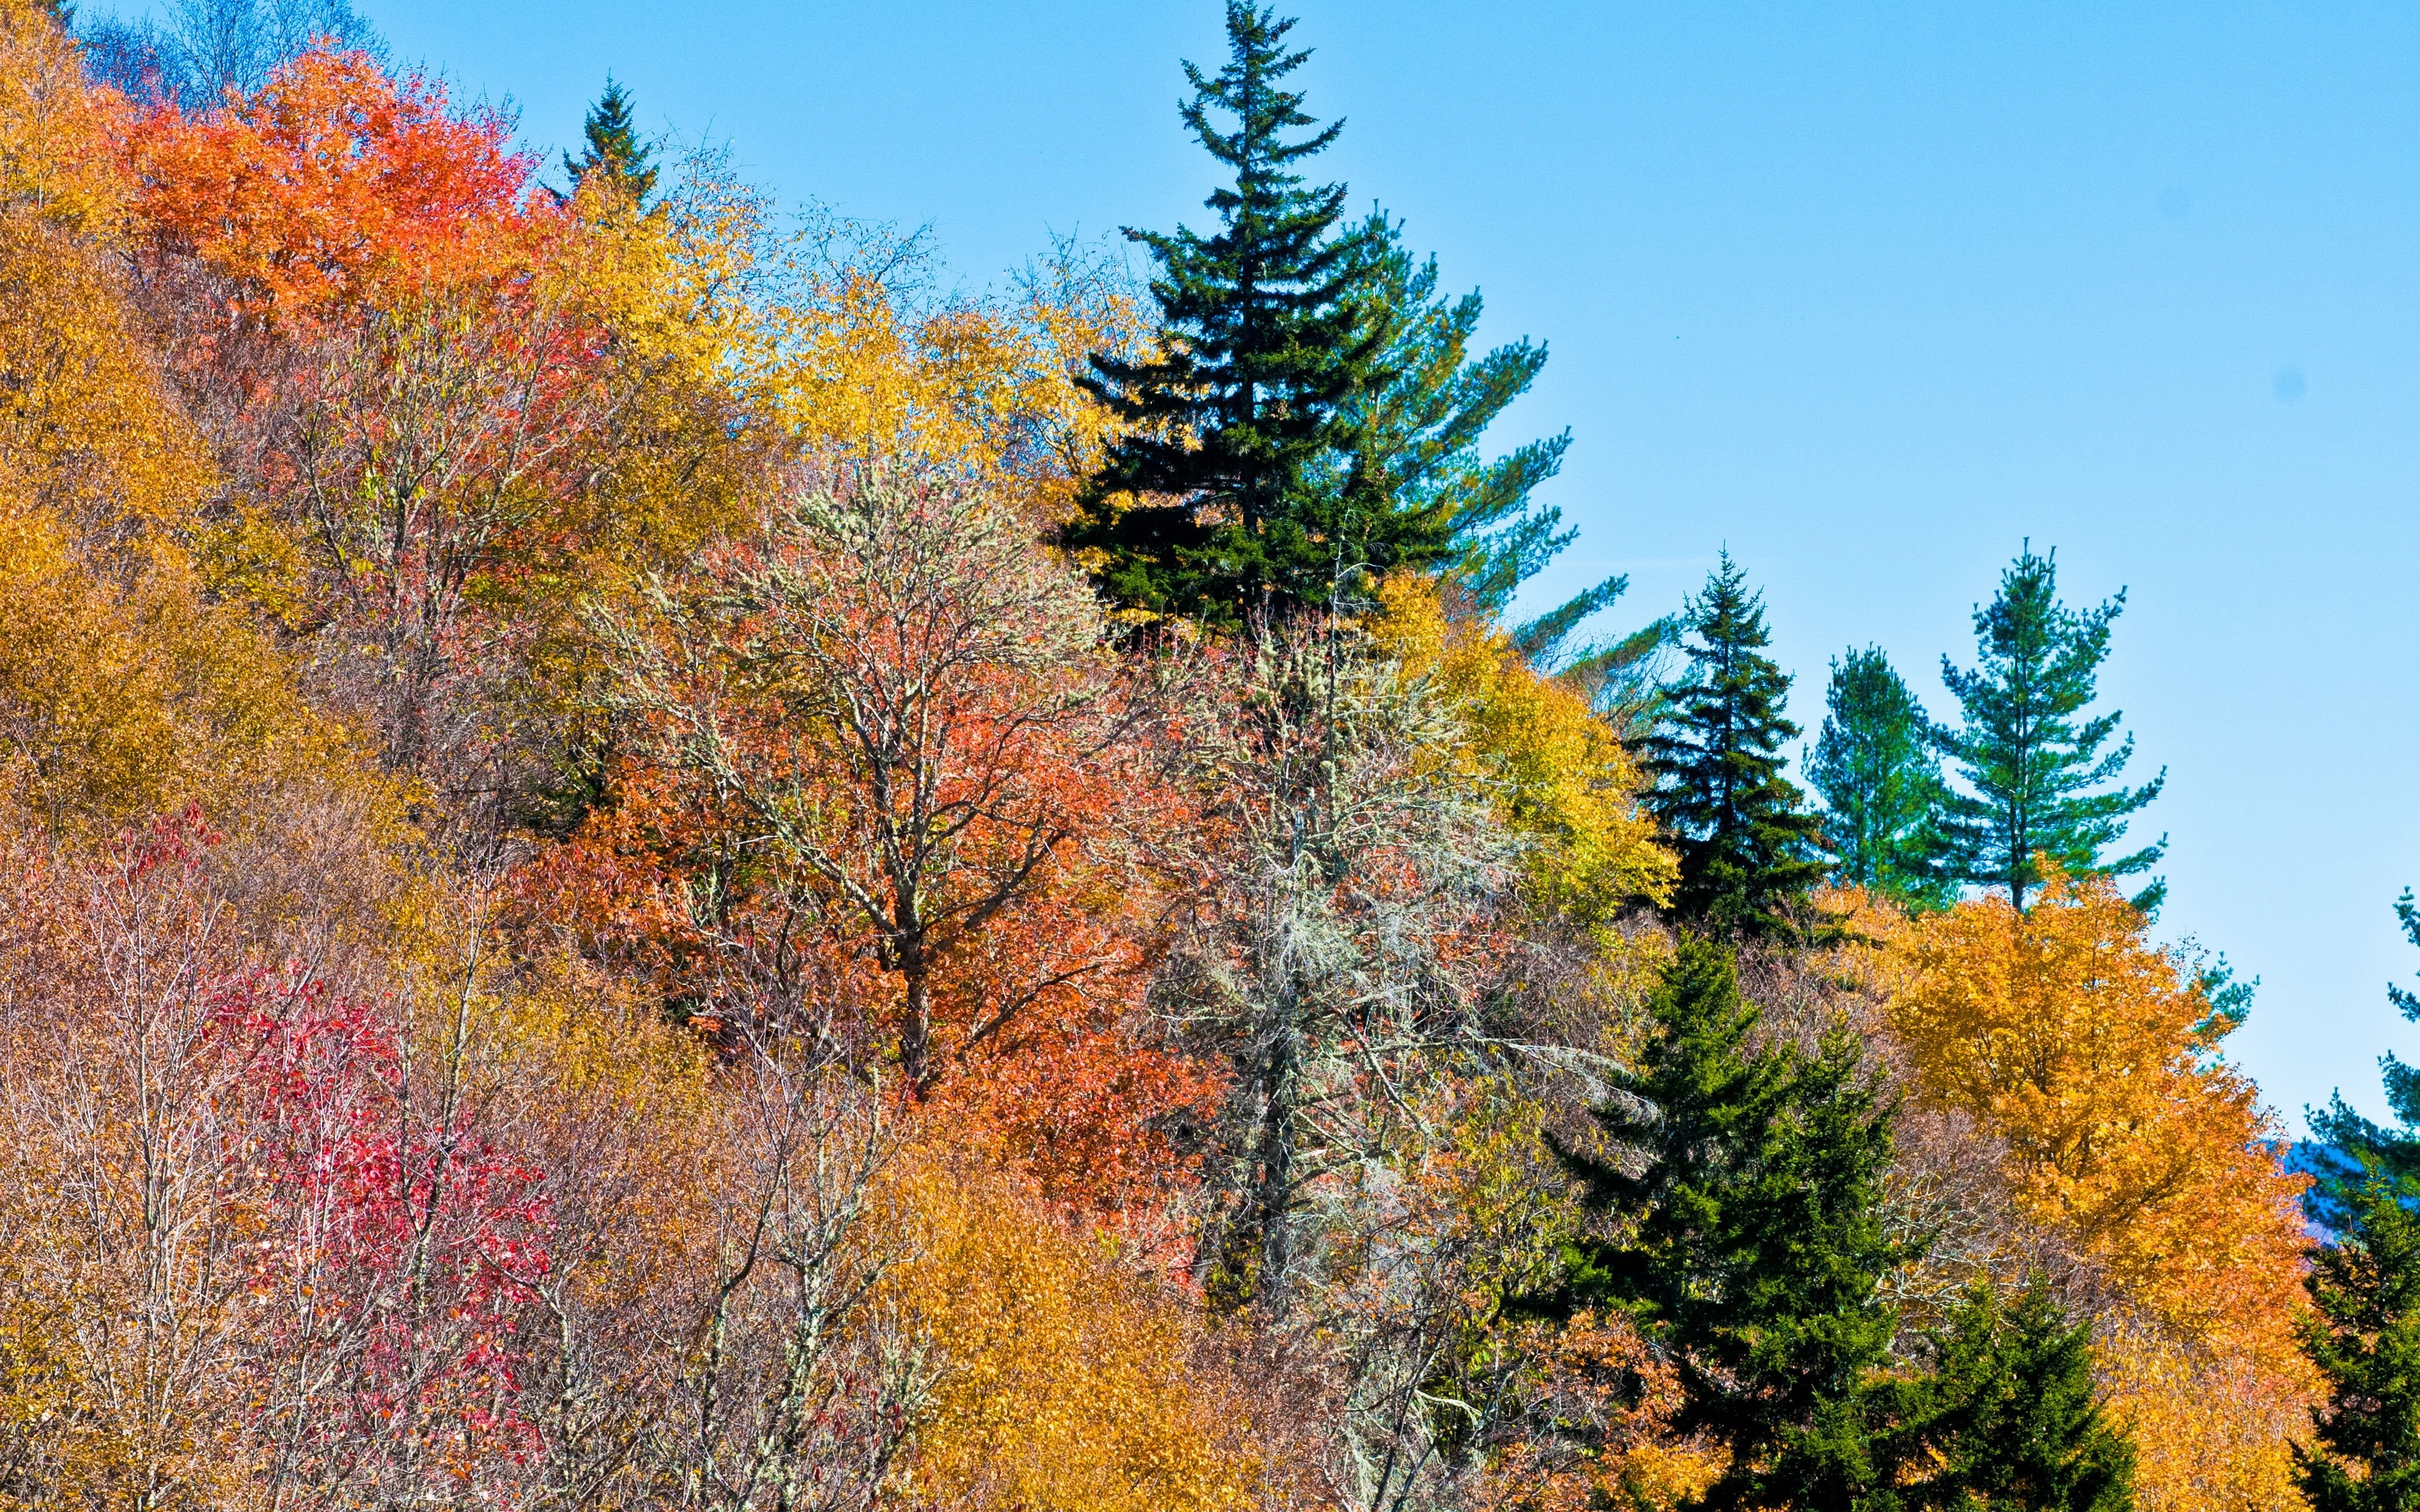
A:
(651, 865)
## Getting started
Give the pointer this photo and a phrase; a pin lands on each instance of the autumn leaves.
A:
(597, 917)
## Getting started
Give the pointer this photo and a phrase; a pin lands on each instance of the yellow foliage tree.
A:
(856, 366)
(2210, 1428)
(55, 156)
(2092, 1055)
(121, 699)
(85, 432)
(1063, 1377)
(1561, 775)
(122, 692)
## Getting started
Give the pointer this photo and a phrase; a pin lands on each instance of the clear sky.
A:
(1869, 293)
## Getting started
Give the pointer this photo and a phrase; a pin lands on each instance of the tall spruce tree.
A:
(1221, 501)
(615, 153)
(1747, 844)
(1747, 1186)
(1874, 765)
(1415, 441)
(2039, 775)
(2004, 1416)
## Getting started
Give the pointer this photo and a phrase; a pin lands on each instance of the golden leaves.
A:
(2090, 1052)
(122, 692)
(1066, 1377)
(56, 156)
(1561, 775)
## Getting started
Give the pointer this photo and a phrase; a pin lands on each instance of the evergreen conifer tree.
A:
(2351, 1152)
(1415, 451)
(2006, 1417)
(2364, 1336)
(2033, 763)
(1415, 439)
(1749, 1183)
(1873, 763)
(615, 148)
(2364, 1333)
(1221, 502)
(1746, 842)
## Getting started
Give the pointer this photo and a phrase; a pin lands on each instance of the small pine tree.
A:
(2352, 1153)
(2033, 764)
(2364, 1336)
(1748, 1195)
(1747, 844)
(615, 150)
(2364, 1333)
(2006, 1417)
(1873, 763)
(1221, 500)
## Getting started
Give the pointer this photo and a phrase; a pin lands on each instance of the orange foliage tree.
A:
(338, 187)
(893, 774)
(2092, 1055)
(443, 397)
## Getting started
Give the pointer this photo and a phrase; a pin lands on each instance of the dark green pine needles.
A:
(1874, 765)
(1747, 844)
(1220, 504)
(2364, 1333)
(1313, 414)
(2365, 1337)
(2037, 766)
(1746, 1242)
(1413, 435)
(615, 149)
(2005, 1417)
(1751, 1238)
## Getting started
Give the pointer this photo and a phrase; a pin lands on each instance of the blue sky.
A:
(1869, 293)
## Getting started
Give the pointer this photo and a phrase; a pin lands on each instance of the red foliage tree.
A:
(282, 1246)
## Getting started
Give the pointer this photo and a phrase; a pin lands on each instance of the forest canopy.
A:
(654, 860)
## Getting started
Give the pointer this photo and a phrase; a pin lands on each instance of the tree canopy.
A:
(652, 856)
(2035, 762)
(1746, 842)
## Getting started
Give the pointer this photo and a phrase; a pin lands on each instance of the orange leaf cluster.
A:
(337, 186)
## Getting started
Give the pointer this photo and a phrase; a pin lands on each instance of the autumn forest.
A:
(657, 860)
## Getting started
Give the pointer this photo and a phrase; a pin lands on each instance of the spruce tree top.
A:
(1746, 845)
(2031, 757)
(1217, 504)
(1873, 763)
(614, 147)
(2006, 1417)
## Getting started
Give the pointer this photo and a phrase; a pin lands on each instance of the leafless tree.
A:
(195, 51)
